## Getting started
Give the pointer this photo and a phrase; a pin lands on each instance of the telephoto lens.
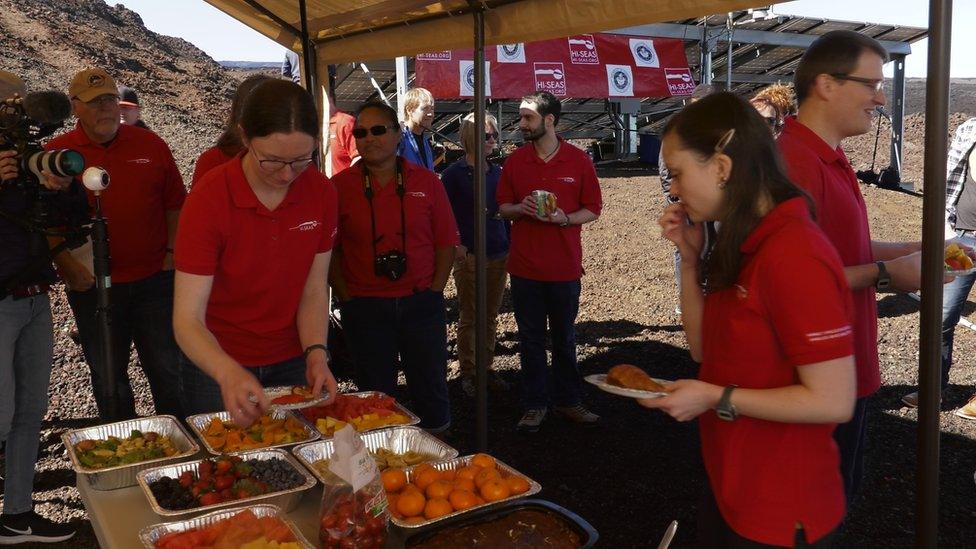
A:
(62, 163)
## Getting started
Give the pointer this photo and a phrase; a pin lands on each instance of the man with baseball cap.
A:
(142, 206)
(26, 351)
(129, 104)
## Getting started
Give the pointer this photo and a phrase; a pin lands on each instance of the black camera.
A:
(392, 265)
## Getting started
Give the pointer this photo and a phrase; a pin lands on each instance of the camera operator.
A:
(26, 353)
(142, 207)
(395, 250)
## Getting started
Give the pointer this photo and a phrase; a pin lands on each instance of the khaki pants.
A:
(464, 280)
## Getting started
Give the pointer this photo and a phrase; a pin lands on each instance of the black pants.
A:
(851, 438)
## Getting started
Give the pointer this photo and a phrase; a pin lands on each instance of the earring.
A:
(721, 184)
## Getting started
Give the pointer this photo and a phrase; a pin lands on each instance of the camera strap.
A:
(401, 191)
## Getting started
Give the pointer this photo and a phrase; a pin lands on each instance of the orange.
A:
(421, 468)
(479, 499)
(449, 474)
(393, 480)
(483, 460)
(465, 484)
(495, 490)
(439, 489)
(437, 507)
(391, 500)
(415, 520)
(468, 472)
(485, 475)
(426, 478)
(462, 499)
(517, 484)
(411, 504)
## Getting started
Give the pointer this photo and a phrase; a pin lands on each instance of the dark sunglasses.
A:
(774, 122)
(360, 133)
(491, 136)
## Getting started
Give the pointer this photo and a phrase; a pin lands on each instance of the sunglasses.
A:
(491, 136)
(360, 133)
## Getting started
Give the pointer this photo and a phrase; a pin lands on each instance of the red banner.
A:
(582, 66)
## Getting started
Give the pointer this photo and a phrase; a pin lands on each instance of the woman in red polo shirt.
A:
(252, 258)
(768, 314)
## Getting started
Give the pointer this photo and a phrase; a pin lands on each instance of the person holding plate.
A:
(252, 258)
(777, 366)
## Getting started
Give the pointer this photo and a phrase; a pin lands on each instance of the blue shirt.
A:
(458, 181)
(409, 150)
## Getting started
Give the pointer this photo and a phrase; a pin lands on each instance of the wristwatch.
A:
(725, 410)
(565, 223)
(310, 348)
(884, 279)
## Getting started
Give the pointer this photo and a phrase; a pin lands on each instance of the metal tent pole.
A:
(933, 242)
(897, 111)
(307, 48)
(480, 211)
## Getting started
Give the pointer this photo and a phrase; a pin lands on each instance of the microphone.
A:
(881, 110)
(47, 107)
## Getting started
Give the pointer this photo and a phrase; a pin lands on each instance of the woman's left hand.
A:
(319, 376)
(686, 400)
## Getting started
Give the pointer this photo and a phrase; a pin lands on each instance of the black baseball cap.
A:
(128, 97)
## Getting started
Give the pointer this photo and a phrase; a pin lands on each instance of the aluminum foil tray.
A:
(399, 408)
(151, 534)
(397, 439)
(457, 463)
(122, 476)
(286, 499)
(199, 423)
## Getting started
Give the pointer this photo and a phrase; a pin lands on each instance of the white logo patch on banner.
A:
(467, 78)
(620, 81)
(582, 50)
(511, 53)
(680, 81)
(644, 53)
(550, 77)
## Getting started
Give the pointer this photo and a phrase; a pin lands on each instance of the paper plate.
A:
(960, 273)
(600, 380)
(276, 392)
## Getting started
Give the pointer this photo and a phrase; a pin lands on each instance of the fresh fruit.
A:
(437, 507)
(426, 478)
(363, 412)
(354, 520)
(411, 503)
(956, 258)
(113, 451)
(225, 478)
(483, 461)
(439, 489)
(494, 490)
(517, 485)
(243, 530)
(393, 480)
(486, 475)
(225, 436)
(462, 499)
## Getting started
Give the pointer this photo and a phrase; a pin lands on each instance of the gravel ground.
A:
(637, 470)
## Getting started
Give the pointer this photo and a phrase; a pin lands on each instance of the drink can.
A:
(545, 203)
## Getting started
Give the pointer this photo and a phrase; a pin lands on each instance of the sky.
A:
(225, 39)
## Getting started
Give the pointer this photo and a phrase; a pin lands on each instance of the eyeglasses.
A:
(773, 122)
(491, 136)
(875, 84)
(100, 101)
(360, 133)
(297, 166)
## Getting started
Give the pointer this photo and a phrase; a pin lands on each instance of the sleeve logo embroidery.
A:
(827, 335)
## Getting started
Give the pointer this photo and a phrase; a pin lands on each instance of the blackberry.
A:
(278, 474)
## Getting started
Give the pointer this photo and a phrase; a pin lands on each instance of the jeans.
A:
(954, 295)
(851, 438)
(200, 394)
(464, 280)
(385, 334)
(535, 302)
(142, 312)
(26, 352)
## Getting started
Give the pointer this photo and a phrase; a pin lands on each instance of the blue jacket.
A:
(408, 149)
(458, 181)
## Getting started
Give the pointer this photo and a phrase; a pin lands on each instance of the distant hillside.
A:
(250, 65)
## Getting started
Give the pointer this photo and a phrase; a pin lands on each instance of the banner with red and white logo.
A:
(596, 65)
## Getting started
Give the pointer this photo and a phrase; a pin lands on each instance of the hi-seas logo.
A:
(305, 226)
(550, 77)
(582, 50)
(511, 53)
(466, 85)
(620, 81)
(644, 53)
(680, 81)
(435, 56)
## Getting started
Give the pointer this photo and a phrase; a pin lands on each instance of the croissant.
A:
(632, 377)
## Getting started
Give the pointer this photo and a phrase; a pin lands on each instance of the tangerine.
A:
(485, 475)
(426, 478)
(393, 480)
(437, 507)
(462, 499)
(439, 489)
(411, 504)
(465, 484)
(415, 520)
(517, 484)
(468, 472)
(484, 461)
(421, 468)
(391, 505)
(495, 490)
(449, 475)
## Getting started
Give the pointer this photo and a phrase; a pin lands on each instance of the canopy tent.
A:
(341, 31)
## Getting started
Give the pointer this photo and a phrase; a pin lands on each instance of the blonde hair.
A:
(467, 130)
(780, 97)
(415, 97)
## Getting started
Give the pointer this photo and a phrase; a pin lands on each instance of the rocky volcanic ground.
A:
(636, 471)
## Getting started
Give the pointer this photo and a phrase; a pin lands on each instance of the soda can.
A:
(545, 203)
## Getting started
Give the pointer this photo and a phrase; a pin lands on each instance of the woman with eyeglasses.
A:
(252, 257)
(768, 314)
(396, 245)
(458, 181)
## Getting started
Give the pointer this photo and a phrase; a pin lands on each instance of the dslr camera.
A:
(392, 265)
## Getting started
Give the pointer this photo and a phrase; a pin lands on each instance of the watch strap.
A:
(310, 348)
(884, 278)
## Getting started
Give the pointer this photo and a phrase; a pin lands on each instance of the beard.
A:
(534, 134)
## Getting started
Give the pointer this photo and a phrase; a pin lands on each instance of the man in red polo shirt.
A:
(342, 145)
(142, 206)
(839, 84)
(395, 251)
(546, 257)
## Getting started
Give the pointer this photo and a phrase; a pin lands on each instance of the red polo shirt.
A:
(342, 145)
(545, 251)
(210, 159)
(790, 307)
(827, 176)
(259, 259)
(429, 220)
(145, 185)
